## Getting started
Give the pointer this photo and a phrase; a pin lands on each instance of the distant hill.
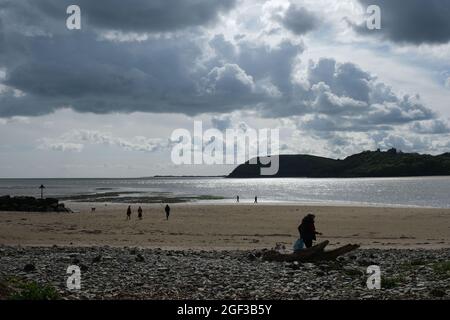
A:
(391, 163)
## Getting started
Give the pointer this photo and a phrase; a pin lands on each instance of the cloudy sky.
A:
(103, 101)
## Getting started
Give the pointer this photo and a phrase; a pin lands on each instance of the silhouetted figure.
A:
(256, 199)
(237, 199)
(129, 213)
(307, 230)
(140, 213)
(167, 209)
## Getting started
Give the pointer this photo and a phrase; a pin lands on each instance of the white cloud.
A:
(438, 126)
(15, 120)
(61, 146)
(229, 79)
(75, 140)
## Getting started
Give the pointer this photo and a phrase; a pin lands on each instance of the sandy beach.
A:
(226, 227)
(214, 252)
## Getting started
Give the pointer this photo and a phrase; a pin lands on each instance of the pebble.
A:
(126, 273)
(29, 267)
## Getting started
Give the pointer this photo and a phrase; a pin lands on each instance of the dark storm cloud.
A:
(161, 15)
(157, 75)
(184, 72)
(412, 21)
(53, 67)
(299, 20)
(132, 15)
(100, 76)
(160, 74)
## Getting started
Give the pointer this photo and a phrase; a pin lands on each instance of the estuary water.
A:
(415, 191)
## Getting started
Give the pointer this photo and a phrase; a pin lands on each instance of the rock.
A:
(139, 258)
(31, 204)
(84, 268)
(97, 259)
(251, 257)
(29, 267)
(294, 266)
(351, 271)
(366, 262)
(5, 199)
(438, 293)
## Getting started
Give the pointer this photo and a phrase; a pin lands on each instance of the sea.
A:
(432, 192)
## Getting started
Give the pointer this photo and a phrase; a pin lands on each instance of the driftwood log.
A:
(315, 253)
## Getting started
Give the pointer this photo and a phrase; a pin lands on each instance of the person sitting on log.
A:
(307, 230)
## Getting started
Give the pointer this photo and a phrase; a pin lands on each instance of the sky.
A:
(103, 101)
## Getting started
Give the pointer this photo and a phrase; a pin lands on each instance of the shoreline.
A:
(274, 203)
(336, 204)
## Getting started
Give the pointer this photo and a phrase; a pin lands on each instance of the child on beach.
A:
(140, 213)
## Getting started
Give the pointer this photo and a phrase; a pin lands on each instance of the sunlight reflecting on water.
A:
(417, 191)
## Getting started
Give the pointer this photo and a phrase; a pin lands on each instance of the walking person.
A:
(167, 209)
(129, 213)
(140, 213)
(237, 199)
(256, 199)
(307, 230)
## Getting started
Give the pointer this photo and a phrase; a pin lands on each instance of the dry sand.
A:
(231, 226)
